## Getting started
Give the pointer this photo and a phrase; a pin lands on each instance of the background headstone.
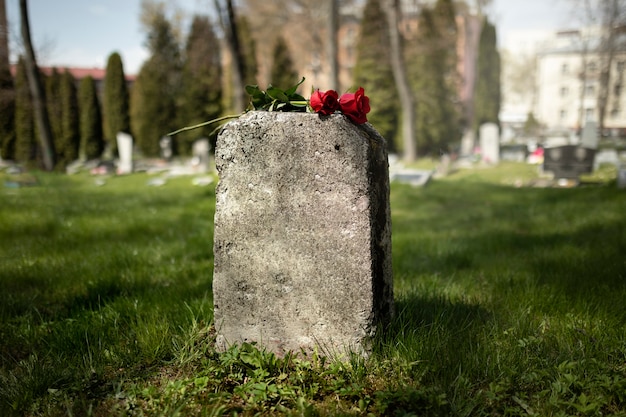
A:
(125, 150)
(200, 155)
(467, 143)
(302, 235)
(569, 161)
(165, 144)
(490, 143)
(621, 178)
(589, 137)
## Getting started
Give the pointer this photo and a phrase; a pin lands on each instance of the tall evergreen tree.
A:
(201, 99)
(53, 103)
(433, 79)
(7, 92)
(91, 138)
(374, 73)
(25, 139)
(116, 102)
(153, 106)
(283, 73)
(68, 144)
(7, 114)
(487, 97)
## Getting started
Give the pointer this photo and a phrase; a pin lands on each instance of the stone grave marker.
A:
(165, 145)
(302, 238)
(490, 143)
(589, 136)
(125, 150)
(467, 143)
(200, 155)
(621, 178)
(568, 161)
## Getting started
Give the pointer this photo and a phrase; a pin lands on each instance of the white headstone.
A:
(165, 143)
(621, 179)
(200, 151)
(490, 143)
(125, 150)
(467, 143)
(589, 137)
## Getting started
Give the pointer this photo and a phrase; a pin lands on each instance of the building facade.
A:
(569, 84)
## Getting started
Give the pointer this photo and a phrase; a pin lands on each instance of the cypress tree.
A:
(201, 99)
(283, 73)
(7, 112)
(433, 80)
(487, 96)
(153, 107)
(25, 140)
(91, 139)
(54, 106)
(374, 73)
(116, 102)
(7, 92)
(68, 143)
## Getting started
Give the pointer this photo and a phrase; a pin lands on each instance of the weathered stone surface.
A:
(302, 236)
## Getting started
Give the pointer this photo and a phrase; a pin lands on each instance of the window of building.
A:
(590, 90)
(564, 68)
(589, 114)
(592, 66)
(563, 114)
(620, 66)
(615, 113)
(617, 90)
(564, 91)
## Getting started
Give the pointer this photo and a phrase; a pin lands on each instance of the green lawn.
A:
(510, 301)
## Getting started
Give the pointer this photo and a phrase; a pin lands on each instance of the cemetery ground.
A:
(509, 301)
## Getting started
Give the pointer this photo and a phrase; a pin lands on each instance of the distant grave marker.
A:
(490, 143)
(568, 161)
(125, 150)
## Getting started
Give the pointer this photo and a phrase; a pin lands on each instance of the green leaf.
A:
(290, 91)
(253, 90)
(277, 94)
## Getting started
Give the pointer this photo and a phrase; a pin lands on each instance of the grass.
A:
(510, 301)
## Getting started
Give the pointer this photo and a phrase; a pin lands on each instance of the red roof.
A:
(97, 74)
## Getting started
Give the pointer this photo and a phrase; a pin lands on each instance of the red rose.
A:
(355, 106)
(324, 102)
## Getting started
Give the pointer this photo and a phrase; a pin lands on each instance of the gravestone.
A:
(414, 177)
(467, 143)
(606, 156)
(302, 238)
(569, 161)
(589, 137)
(490, 143)
(125, 150)
(200, 155)
(165, 144)
(621, 178)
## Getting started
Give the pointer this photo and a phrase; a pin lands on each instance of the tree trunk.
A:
(333, 17)
(37, 92)
(402, 82)
(4, 35)
(608, 46)
(229, 27)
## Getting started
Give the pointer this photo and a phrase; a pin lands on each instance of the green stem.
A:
(299, 102)
(219, 119)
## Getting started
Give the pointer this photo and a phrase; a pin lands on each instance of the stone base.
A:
(302, 234)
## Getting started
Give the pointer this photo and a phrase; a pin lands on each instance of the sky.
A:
(84, 33)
